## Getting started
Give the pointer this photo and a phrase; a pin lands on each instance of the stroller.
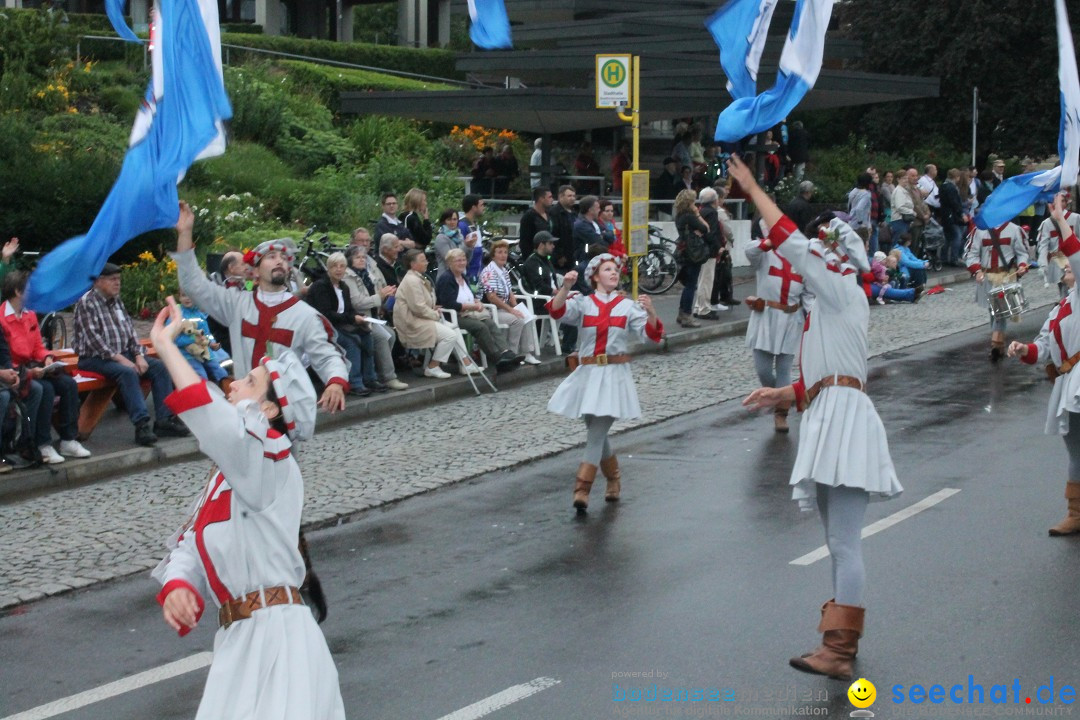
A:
(934, 247)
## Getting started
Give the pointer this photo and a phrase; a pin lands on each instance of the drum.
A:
(1007, 301)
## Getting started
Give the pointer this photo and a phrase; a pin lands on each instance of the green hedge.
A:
(242, 28)
(437, 63)
(329, 82)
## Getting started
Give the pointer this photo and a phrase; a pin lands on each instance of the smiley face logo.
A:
(862, 693)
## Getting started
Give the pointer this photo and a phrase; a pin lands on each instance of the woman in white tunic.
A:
(1058, 348)
(239, 547)
(601, 389)
(843, 456)
(995, 257)
(776, 320)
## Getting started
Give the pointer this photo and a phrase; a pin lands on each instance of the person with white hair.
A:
(601, 389)
(238, 549)
(709, 203)
(843, 458)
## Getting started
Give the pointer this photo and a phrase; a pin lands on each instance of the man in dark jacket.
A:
(388, 222)
(534, 220)
(562, 217)
(539, 278)
(952, 216)
(799, 209)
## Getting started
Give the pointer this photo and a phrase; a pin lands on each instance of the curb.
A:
(27, 483)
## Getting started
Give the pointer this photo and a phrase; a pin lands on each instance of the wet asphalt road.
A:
(451, 597)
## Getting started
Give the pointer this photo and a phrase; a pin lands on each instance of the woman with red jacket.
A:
(23, 335)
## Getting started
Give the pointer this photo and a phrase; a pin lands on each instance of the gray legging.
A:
(597, 447)
(1072, 444)
(842, 509)
(770, 376)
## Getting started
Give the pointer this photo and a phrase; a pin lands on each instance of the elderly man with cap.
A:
(267, 319)
(239, 548)
(104, 339)
(843, 456)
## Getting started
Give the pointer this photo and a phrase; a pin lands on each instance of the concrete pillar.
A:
(140, 15)
(269, 14)
(345, 34)
(407, 23)
(444, 22)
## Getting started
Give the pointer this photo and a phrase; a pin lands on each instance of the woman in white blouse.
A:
(499, 291)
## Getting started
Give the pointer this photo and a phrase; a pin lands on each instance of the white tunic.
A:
(1047, 244)
(773, 330)
(605, 323)
(256, 327)
(242, 537)
(841, 439)
(981, 254)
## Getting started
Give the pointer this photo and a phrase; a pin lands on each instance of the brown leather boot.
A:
(586, 473)
(842, 626)
(610, 467)
(997, 345)
(780, 417)
(1071, 524)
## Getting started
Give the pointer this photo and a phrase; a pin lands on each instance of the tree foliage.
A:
(1008, 48)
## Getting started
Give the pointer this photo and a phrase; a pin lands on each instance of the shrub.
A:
(123, 102)
(242, 28)
(259, 112)
(329, 82)
(244, 168)
(146, 282)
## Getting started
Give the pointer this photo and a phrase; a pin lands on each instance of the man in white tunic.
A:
(843, 456)
(1052, 260)
(994, 258)
(268, 318)
(776, 320)
(1058, 348)
(238, 547)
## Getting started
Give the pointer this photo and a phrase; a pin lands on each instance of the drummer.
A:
(1051, 259)
(995, 258)
(1058, 347)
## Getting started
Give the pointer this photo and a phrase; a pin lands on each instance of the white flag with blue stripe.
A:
(180, 120)
(740, 29)
(489, 25)
(800, 63)
(1017, 193)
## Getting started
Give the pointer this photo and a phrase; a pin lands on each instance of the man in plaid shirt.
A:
(106, 344)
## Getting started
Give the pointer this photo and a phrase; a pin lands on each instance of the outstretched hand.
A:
(165, 334)
(1017, 349)
(767, 397)
(741, 172)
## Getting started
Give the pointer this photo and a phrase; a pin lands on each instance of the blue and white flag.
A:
(489, 27)
(800, 64)
(740, 30)
(1017, 193)
(180, 121)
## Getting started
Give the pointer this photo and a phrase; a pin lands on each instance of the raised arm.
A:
(1068, 243)
(210, 297)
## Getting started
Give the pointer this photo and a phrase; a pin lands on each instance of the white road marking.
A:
(104, 692)
(883, 524)
(500, 700)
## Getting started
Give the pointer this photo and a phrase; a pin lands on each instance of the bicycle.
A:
(54, 331)
(310, 262)
(658, 268)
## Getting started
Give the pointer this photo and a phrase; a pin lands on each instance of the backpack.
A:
(16, 436)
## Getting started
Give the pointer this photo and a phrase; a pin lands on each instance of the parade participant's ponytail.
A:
(278, 421)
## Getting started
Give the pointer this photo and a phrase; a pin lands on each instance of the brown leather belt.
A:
(605, 359)
(759, 304)
(834, 380)
(241, 608)
(1055, 372)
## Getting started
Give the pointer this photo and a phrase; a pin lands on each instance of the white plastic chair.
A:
(451, 317)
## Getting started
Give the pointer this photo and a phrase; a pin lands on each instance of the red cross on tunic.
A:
(1064, 311)
(787, 277)
(214, 510)
(989, 242)
(603, 321)
(264, 331)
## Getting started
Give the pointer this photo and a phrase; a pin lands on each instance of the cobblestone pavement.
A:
(76, 537)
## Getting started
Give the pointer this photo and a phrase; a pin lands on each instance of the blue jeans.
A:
(688, 276)
(127, 380)
(38, 403)
(873, 238)
(360, 350)
(898, 227)
(892, 293)
(207, 370)
(954, 241)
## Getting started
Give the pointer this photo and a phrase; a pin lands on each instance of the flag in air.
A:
(742, 31)
(489, 26)
(1015, 194)
(180, 121)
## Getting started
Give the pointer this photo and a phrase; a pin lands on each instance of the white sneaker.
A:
(530, 359)
(470, 369)
(49, 455)
(396, 384)
(436, 372)
(73, 448)
(720, 307)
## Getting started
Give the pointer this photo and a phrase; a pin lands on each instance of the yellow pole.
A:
(634, 118)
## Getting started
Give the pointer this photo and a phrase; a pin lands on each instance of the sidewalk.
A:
(115, 452)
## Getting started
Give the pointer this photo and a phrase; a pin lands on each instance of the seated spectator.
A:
(200, 348)
(387, 261)
(450, 238)
(452, 291)
(28, 355)
(499, 291)
(421, 326)
(415, 218)
(389, 223)
(539, 278)
(331, 297)
(911, 266)
(881, 288)
(367, 301)
(105, 341)
(608, 232)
